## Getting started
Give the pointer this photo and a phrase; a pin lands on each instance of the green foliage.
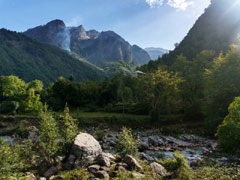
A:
(30, 60)
(70, 128)
(179, 166)
(9, 107)
(126, 143)
(16, 159)
(32, 103)
(229, 131)
(160, 92)
(217, 173)
(20, 96)
(49, 135)
(82, 174)
(221, 87)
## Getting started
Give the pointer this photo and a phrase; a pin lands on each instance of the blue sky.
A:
(147, 23)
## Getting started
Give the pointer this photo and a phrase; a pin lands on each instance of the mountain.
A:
(98, 48)
(155, 53)
(216, 29)
(30, 59)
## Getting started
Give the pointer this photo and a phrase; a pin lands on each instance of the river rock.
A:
(158, 169)
(50, 172)
(86, 146)
(132, 163)
(103, 160)
(137, 175)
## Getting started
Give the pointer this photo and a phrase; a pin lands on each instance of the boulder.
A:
(29, 176)
(158, 169)
(137, 175)
(103, 160)
(101, 175)
(86, 147)
(50, 172)
(94, 168)
(132, 163)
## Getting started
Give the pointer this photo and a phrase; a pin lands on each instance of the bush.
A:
(49, 135)
(217, 172)
(9, 107)
(82, 174)
(126, 143)
(70, 128)
(16, 159)
(178, 166)
(229, 131)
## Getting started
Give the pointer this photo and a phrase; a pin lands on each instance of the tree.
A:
(221, 87)
(70, 128)
(125, 95)
(49, 136)
(160, 91)
(228, 132)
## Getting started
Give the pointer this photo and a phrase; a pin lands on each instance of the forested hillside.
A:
(30, 60)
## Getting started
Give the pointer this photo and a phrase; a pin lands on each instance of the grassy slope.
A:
(30, 60)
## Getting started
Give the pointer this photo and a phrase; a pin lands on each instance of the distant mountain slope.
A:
(29, 59)
(98, 48)
(155, 53)
(215, 30)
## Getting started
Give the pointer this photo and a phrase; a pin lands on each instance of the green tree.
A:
(126, 143)
(49, 136)
(70, 128)
(221, 87)
(160, 91)
(228, 132)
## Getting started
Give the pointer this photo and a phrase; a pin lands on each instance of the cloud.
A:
(180, 5)
(153, 3)
(75, 21)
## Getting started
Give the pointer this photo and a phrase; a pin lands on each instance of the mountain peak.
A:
(56, 22)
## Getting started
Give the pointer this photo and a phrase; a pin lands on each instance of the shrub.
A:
(70, 128)
(82, 174)
(217, 172)
(179, 166)
(49, 135)
(229, 131)
(126, 143)
(9, 107)
(16, 159)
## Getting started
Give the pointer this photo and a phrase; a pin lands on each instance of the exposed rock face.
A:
(78, 33)
(132, 163)
(86, 146)
(96, 47)
(158, 169)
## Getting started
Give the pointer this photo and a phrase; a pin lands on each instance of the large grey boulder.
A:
(86, 147)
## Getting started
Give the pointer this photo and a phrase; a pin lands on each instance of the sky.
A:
(146, 23)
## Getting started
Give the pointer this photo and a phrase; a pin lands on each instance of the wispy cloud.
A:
(180, 5)
(75, 21)
(153, 3)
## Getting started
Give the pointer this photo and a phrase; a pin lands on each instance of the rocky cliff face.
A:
(98, 48)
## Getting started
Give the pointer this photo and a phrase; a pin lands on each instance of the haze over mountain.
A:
(98, 48)
(155, 53)
(30, 60)
(216, 29)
